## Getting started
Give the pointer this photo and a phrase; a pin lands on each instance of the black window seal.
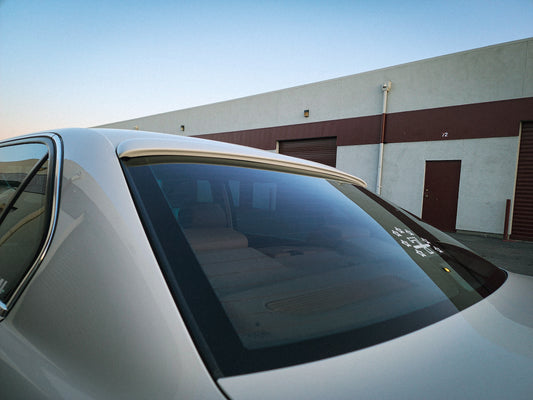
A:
(53, 184)
(487, 285)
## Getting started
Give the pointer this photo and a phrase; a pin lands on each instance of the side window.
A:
(264, 196)
(203, 191)
(234, 188)
(25, 212)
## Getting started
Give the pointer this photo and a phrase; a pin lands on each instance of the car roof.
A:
(133, 143)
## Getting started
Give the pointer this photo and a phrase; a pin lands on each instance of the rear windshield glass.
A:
(273, 269)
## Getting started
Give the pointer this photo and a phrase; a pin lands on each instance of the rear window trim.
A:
(138, 148)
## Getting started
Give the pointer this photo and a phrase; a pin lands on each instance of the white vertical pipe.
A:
(380, 169)
(385, 88)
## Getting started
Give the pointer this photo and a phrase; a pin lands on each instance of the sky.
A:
(86, 63)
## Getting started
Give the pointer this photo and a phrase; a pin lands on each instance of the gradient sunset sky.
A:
(85, 63)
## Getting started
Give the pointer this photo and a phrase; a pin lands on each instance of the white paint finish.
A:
(488, 167)
(483, 352)
(360, 161)
(129, 338)
(97, 320)
(476, 76)
(488, 182)
(403, 175)
(334, 99)
(498, 72)
(528, 78)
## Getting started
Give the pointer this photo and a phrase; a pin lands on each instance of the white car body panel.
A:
(67, 344)
(58, 345)
(484, 352)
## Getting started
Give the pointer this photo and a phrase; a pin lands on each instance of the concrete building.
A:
(449, 138)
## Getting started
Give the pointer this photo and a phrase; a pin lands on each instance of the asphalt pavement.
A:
(514, 256)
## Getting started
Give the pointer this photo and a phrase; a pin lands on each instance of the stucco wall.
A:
(488, 168)
(360, 161)
(491, 73)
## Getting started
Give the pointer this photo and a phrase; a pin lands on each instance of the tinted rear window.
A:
(273, 269)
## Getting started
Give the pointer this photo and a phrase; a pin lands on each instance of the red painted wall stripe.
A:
(363, 130)
(469, 121)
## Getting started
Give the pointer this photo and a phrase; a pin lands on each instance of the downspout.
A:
(385, 88)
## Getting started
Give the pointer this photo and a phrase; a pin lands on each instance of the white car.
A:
(136, 265)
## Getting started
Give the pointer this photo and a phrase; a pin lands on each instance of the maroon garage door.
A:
(322, 150)
(523, 199)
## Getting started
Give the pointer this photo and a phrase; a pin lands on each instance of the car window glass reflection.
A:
(23, 183)
(294, 257)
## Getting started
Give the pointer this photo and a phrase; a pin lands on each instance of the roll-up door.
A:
(322, 150)
(522, 227)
